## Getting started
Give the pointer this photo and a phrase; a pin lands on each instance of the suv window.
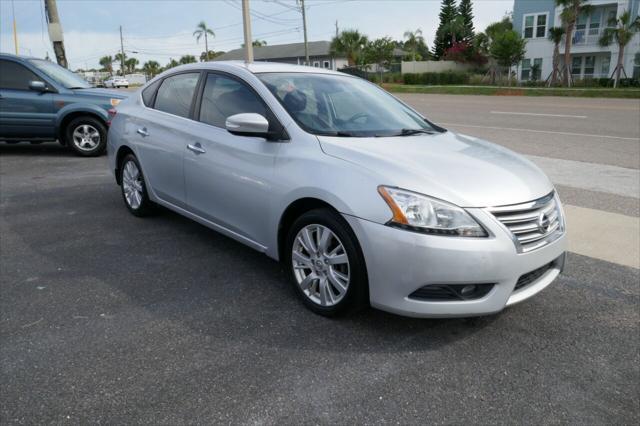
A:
(176, 93)
(148, 92)
(15, 76)
(224, 96)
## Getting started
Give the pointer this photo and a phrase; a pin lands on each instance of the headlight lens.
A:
(114, 102)
(420, 213)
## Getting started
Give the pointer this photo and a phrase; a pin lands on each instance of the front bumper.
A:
(400, 262)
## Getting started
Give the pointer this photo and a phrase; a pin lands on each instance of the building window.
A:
(526, 69)
(594, 22)
(636, 66)
(576, 66)
(611, 18)
(327, 64)
(316, 64)
(536, 69)
(535, 25)
(589, 66)
(604, 66)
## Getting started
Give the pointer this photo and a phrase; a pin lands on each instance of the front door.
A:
(229, 178)
(24, 113)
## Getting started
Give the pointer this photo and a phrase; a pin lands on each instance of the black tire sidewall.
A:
(146, 206)
(94, 122)
(357, 294)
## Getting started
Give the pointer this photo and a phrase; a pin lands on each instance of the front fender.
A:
(65, 111)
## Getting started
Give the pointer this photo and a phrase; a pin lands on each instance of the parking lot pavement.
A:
(108, 318)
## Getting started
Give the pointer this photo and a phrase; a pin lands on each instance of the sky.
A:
(163, 29)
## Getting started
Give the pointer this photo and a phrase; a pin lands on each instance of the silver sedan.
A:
(364, 201)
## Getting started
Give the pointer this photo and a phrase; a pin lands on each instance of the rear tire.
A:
(87, 136)
(325, 263)
(133, 187)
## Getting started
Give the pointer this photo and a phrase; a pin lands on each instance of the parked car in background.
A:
(361, 198)
(42, 101)
(116, 82)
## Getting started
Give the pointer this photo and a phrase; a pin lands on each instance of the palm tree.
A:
(414, 39)
(107, 63)
(350, 44)
(151, 68)
(455, 27)
(171, 64)
(555, 35)
(621, 31)
(131, 64)
(121, 57)
(188, 59)
(203, 30)
(569, 15)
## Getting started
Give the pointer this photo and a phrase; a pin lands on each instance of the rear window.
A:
(176, 94)
(149, 92)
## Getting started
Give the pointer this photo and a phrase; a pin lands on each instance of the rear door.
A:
(162, 135)
(24, 113)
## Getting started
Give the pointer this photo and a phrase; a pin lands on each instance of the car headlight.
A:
(417, 212)
(114, 102)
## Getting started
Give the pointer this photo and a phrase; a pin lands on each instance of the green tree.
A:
(257, 43)
(455, 28)
(465, 10)
(571, 9)
(151, 68)
(508, 49)
(209, 56)
(413, 42)
(448, 12)
(380, 52)
(106, 62)
(621, 31)
(555, 35)
(172, 63)
(188, 59)
(121, 58)
(203, 30)
(131, 65)
(349, 43)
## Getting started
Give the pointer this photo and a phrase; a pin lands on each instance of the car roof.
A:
(256, 67)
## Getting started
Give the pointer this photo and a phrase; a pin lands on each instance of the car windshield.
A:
(340, 105)
(60, 75)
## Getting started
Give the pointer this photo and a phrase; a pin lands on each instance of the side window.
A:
(223, 97)
(148, 92)
(15, 76)
(176, 93)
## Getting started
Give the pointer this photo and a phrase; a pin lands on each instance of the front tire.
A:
(325, 263)
(87, 136)
(134, 190)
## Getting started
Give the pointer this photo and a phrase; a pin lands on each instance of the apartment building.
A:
(533, 18)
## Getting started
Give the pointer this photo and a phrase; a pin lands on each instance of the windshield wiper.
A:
(409, 132)
(338, 133)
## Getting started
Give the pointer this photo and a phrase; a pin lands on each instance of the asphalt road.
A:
(108, 318)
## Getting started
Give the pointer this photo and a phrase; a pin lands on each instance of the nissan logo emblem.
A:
(543, 223)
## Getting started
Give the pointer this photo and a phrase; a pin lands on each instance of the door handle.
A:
(197, 148)
(143, 131)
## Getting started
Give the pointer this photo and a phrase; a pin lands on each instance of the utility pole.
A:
(337, 31)
(248, 42)
(304, 28)
(15, 30)
(55, 32)
(121, 53)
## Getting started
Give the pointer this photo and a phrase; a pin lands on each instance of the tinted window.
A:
(148, 92)
(224, 97)
(15, 76)
(60, 74)
(176, 93)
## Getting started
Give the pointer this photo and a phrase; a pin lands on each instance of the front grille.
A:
(534, 224)
(532, 276)
(451, 292)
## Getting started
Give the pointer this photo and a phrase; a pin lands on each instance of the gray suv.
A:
(42, 101)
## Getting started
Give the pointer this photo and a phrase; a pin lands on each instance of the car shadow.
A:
(53, 149)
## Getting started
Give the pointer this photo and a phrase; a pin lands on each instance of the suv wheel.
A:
(325, 263)
(87, 136)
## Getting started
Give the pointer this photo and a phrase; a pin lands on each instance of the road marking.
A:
(538, 114)
(594, 177)
(606, 236)
(541, 131)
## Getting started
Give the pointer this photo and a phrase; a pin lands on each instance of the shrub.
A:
(437, 78)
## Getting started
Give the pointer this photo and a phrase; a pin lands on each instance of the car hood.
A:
(460, 169)
(95, 91)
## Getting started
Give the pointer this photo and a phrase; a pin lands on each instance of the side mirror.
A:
(37, 86)
(248, 124)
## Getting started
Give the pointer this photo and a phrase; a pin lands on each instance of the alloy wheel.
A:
(320, 265)
(86, 137)
(132, 184)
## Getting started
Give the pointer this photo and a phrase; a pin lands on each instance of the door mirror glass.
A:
(248, 124)
(38, 86)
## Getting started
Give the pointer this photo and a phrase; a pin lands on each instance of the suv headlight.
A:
(417, 212)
